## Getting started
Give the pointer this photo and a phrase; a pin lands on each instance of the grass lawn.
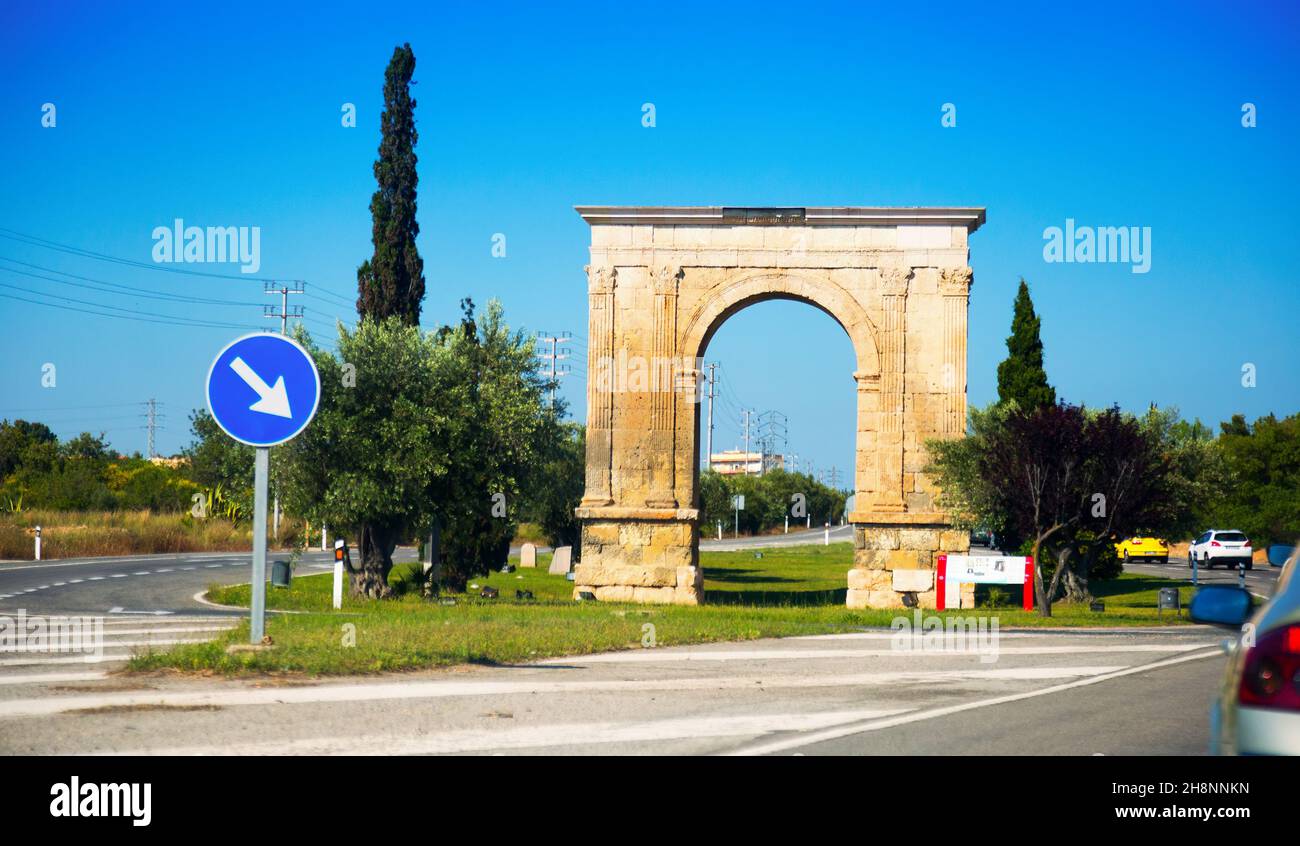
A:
(793, 591)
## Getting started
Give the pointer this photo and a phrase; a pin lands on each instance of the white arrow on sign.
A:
(271, 400)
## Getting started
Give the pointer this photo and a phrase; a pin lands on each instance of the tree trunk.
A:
(1040, 591)
(1076, 580)
(1063, 556)
(375, 548)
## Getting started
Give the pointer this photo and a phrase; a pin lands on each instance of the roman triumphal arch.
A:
(662, 280)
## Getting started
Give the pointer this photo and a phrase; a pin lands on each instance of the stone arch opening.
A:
(750, 289)
(770, 349)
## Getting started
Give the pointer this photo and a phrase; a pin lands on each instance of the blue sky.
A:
(1113, 115)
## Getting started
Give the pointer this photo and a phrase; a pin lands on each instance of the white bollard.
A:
(719, 530)
(827, 541)
(38, 543)
(322, 538)
(787, 524)
(338, 574)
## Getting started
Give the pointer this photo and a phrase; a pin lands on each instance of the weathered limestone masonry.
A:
(660, 283)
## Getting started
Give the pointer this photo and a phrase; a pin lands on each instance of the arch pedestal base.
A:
(897, 556)
(640, 555)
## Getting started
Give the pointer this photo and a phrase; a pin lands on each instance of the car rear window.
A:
(1230, 536)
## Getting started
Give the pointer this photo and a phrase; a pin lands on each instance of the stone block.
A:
(924, 540)
(528, 555)
(954, 541)
(860, 579)
(907, 559)
(913, 580)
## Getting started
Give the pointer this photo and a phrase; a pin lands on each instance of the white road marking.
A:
(52, 678)
(96, 578)
(655, 656)
(118, 576)
(172, 630)
(76, 659)
(399, 690)
(917, 716)
(141, 573)
(536, 737)
(1043, 634)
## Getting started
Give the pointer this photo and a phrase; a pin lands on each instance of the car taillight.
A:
(1247, 543)
(1271, 678)
(1215, 543)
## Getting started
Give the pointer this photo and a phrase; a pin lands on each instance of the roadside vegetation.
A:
(786, 592)
(769, 500)
(1064, 483)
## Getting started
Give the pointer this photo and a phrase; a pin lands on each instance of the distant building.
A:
(735, 462)
(173, 462)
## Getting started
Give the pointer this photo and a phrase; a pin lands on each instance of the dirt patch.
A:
(135, 709)
(100, 688)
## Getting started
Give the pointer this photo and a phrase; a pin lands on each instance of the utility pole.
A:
(746, 414)
(285, 312)
(708, 453)
(554, 370)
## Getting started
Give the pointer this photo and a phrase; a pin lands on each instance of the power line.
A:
(144, 317)
(70, 407)
(114, 287)
(33, 241)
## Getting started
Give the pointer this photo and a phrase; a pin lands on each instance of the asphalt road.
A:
(798, 537)
(1261, 581)
(1114, 692)
(138, 584)
(1063, 692)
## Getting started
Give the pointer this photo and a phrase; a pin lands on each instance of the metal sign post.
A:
(257, 623)
(263, 390)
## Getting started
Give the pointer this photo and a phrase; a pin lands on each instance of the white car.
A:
(1258, 709)
(1228, 547)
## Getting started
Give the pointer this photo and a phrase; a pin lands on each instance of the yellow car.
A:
(1150, 549)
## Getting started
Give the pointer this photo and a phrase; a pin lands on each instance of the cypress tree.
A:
(391, 282)
(1021, 376)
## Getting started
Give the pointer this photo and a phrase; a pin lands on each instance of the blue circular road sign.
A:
(263, 389)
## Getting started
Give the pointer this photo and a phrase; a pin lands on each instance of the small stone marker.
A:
(528, 555)
(561, 561)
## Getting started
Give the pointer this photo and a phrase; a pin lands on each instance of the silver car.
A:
(1258, 709)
